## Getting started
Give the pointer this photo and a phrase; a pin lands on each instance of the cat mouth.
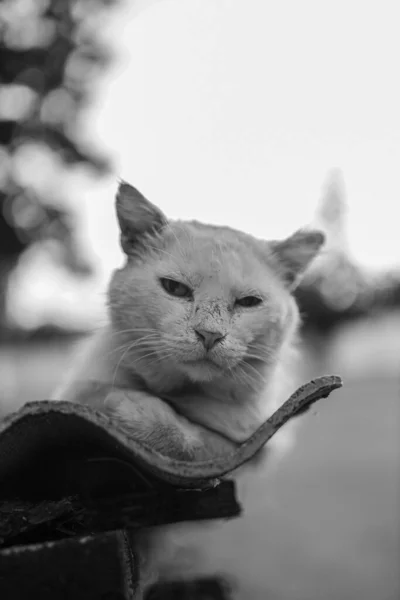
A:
(204, 360)
(208, 363)
(202, 369)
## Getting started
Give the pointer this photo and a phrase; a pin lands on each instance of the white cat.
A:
(202, 328)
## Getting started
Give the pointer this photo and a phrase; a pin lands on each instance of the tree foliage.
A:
(50, 56)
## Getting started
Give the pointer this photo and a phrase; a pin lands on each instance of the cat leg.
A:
(156, 423)
(153, 421)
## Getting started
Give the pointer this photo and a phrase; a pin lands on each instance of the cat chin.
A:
(201, 371)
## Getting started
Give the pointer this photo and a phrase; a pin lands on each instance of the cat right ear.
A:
(294, 255)
(137, 217)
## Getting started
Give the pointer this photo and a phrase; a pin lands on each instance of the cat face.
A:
(200, 300)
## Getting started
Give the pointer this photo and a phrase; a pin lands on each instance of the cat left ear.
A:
(136, 217)
(295, 254)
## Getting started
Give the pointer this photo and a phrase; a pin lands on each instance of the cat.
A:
(202, 331)
(200, 316)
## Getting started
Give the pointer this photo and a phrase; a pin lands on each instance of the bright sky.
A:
(234, 112)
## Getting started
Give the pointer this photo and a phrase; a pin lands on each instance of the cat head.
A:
(200, 300)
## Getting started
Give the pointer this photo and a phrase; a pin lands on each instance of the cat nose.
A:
(209, 338)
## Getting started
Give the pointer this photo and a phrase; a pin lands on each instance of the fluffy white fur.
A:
(150, 367)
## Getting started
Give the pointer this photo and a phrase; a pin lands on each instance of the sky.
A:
(234, 113)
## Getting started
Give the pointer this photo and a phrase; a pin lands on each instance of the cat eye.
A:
(176, 288)
(248, 301)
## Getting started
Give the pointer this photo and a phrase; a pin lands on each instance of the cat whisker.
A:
(119, 364)
(177, 240)
(145, 346)
(149, 354)
(137, 345)
(130, 347)
(150, 338)
(260, 354)
(133, 330)
(145, 343)
(243, 378)
(263, 349)
(164, 252)
(258, 357)
(247, 378)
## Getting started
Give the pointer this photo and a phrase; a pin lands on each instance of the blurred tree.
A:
(332, 212)
(50, 56)
(335, 290)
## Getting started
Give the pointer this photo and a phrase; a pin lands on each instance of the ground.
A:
(326, 523)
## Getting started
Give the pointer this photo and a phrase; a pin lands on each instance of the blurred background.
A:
(267, 117)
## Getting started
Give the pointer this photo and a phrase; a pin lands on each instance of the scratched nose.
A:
(208, 338)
